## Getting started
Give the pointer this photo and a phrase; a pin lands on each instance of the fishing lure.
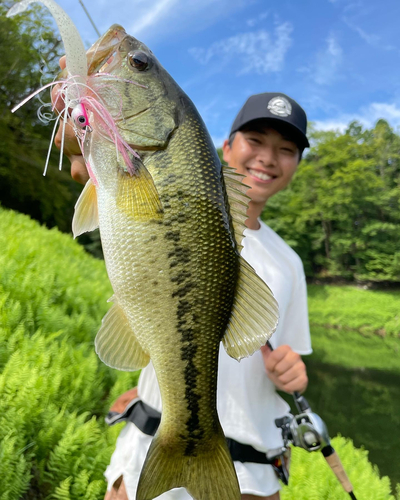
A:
(78, 92)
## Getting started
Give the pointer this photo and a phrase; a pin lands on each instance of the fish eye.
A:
(138, 60)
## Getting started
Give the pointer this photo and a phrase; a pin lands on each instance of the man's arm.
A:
(285, 368)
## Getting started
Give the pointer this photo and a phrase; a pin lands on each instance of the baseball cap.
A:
(278, 108)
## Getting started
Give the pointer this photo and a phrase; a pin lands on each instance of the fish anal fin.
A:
(254, 315)
(137, 195)
(116, 344)
(86, 216)
(207, 475)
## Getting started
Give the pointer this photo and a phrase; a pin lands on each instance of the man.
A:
(266, 141)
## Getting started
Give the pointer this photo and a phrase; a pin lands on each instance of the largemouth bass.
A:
(171, 236)
(171, 221)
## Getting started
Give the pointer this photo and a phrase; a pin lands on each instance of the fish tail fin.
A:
(206, 475)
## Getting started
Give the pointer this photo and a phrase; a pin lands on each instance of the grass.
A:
(348, 307)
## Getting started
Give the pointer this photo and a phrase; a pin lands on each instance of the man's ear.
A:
(226, 149)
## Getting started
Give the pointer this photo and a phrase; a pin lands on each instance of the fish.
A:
(171, 222)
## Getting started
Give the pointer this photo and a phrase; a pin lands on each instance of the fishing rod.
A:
(90, 19)
(306, 430)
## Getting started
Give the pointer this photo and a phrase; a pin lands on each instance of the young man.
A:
(265, 145)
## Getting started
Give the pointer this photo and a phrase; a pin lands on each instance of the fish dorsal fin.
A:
(116, 344)
(254, 315)
(86, 216)
(238, 201)
(137, 194)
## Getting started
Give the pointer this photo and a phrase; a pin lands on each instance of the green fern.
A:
(312, 479)
(54, 391)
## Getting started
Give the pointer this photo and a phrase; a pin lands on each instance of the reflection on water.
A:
(363, 404)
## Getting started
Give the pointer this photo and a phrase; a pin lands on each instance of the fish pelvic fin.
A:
(206, 475)
(116, 344)
(86, 216)
(137, 195)
(254, 316)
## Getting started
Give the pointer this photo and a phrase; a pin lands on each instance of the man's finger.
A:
(78, 169)
(292, 374)
(63, 62)
(285, 364)
(299, 384)
(276, 356)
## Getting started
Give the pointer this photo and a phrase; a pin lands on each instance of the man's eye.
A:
(254, 139)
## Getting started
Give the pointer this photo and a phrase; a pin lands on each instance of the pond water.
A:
(360, 403)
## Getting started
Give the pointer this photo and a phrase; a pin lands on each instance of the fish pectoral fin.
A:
(86, 216)
(238, 201)
(137, 195)
(209, 474)
(116, 344)
(254, 315)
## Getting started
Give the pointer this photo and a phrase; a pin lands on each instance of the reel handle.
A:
(336, 465)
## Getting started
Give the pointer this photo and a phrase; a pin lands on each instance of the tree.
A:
(342, 212)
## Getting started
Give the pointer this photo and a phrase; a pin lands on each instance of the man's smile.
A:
(261, 176)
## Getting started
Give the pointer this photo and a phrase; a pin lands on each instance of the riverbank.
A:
(370, 312)
(354, 370)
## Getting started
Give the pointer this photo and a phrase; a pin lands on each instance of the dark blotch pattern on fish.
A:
(195, 432)
(173, 235)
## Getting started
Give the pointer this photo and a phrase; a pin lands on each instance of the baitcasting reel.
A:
(306, 430)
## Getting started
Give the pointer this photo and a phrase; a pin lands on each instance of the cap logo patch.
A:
(280, 106)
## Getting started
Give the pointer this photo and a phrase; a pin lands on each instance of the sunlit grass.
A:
(350, 307)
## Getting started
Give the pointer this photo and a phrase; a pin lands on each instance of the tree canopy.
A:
(342, 212)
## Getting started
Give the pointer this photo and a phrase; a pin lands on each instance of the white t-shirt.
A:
(247, 401)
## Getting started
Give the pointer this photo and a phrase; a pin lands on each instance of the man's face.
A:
(266, 158)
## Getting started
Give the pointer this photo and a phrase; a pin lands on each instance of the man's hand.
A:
(122, 402)
(71, 148)
(285, 368)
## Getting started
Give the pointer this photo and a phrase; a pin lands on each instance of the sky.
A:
(340, 59)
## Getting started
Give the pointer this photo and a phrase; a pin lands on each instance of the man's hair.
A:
(261, 124)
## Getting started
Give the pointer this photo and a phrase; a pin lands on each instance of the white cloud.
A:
(367, 116)
(328, 62)
(370, 38)
(152, 16)
(331, 125)
(256, 20)
(154, 20)
(256, 51)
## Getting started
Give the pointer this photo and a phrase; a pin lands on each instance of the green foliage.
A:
(312, 479)
(342, 211)
(54, 391)
(347, 307)
(52, 385)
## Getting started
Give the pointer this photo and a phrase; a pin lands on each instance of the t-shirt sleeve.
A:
(295, 329)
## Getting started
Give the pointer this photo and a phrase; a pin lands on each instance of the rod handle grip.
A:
(336, 465)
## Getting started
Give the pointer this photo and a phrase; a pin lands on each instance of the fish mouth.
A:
(101, 51)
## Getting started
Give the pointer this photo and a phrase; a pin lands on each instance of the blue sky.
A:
(340, 59)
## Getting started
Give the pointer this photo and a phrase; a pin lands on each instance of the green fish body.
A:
(171, 235)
